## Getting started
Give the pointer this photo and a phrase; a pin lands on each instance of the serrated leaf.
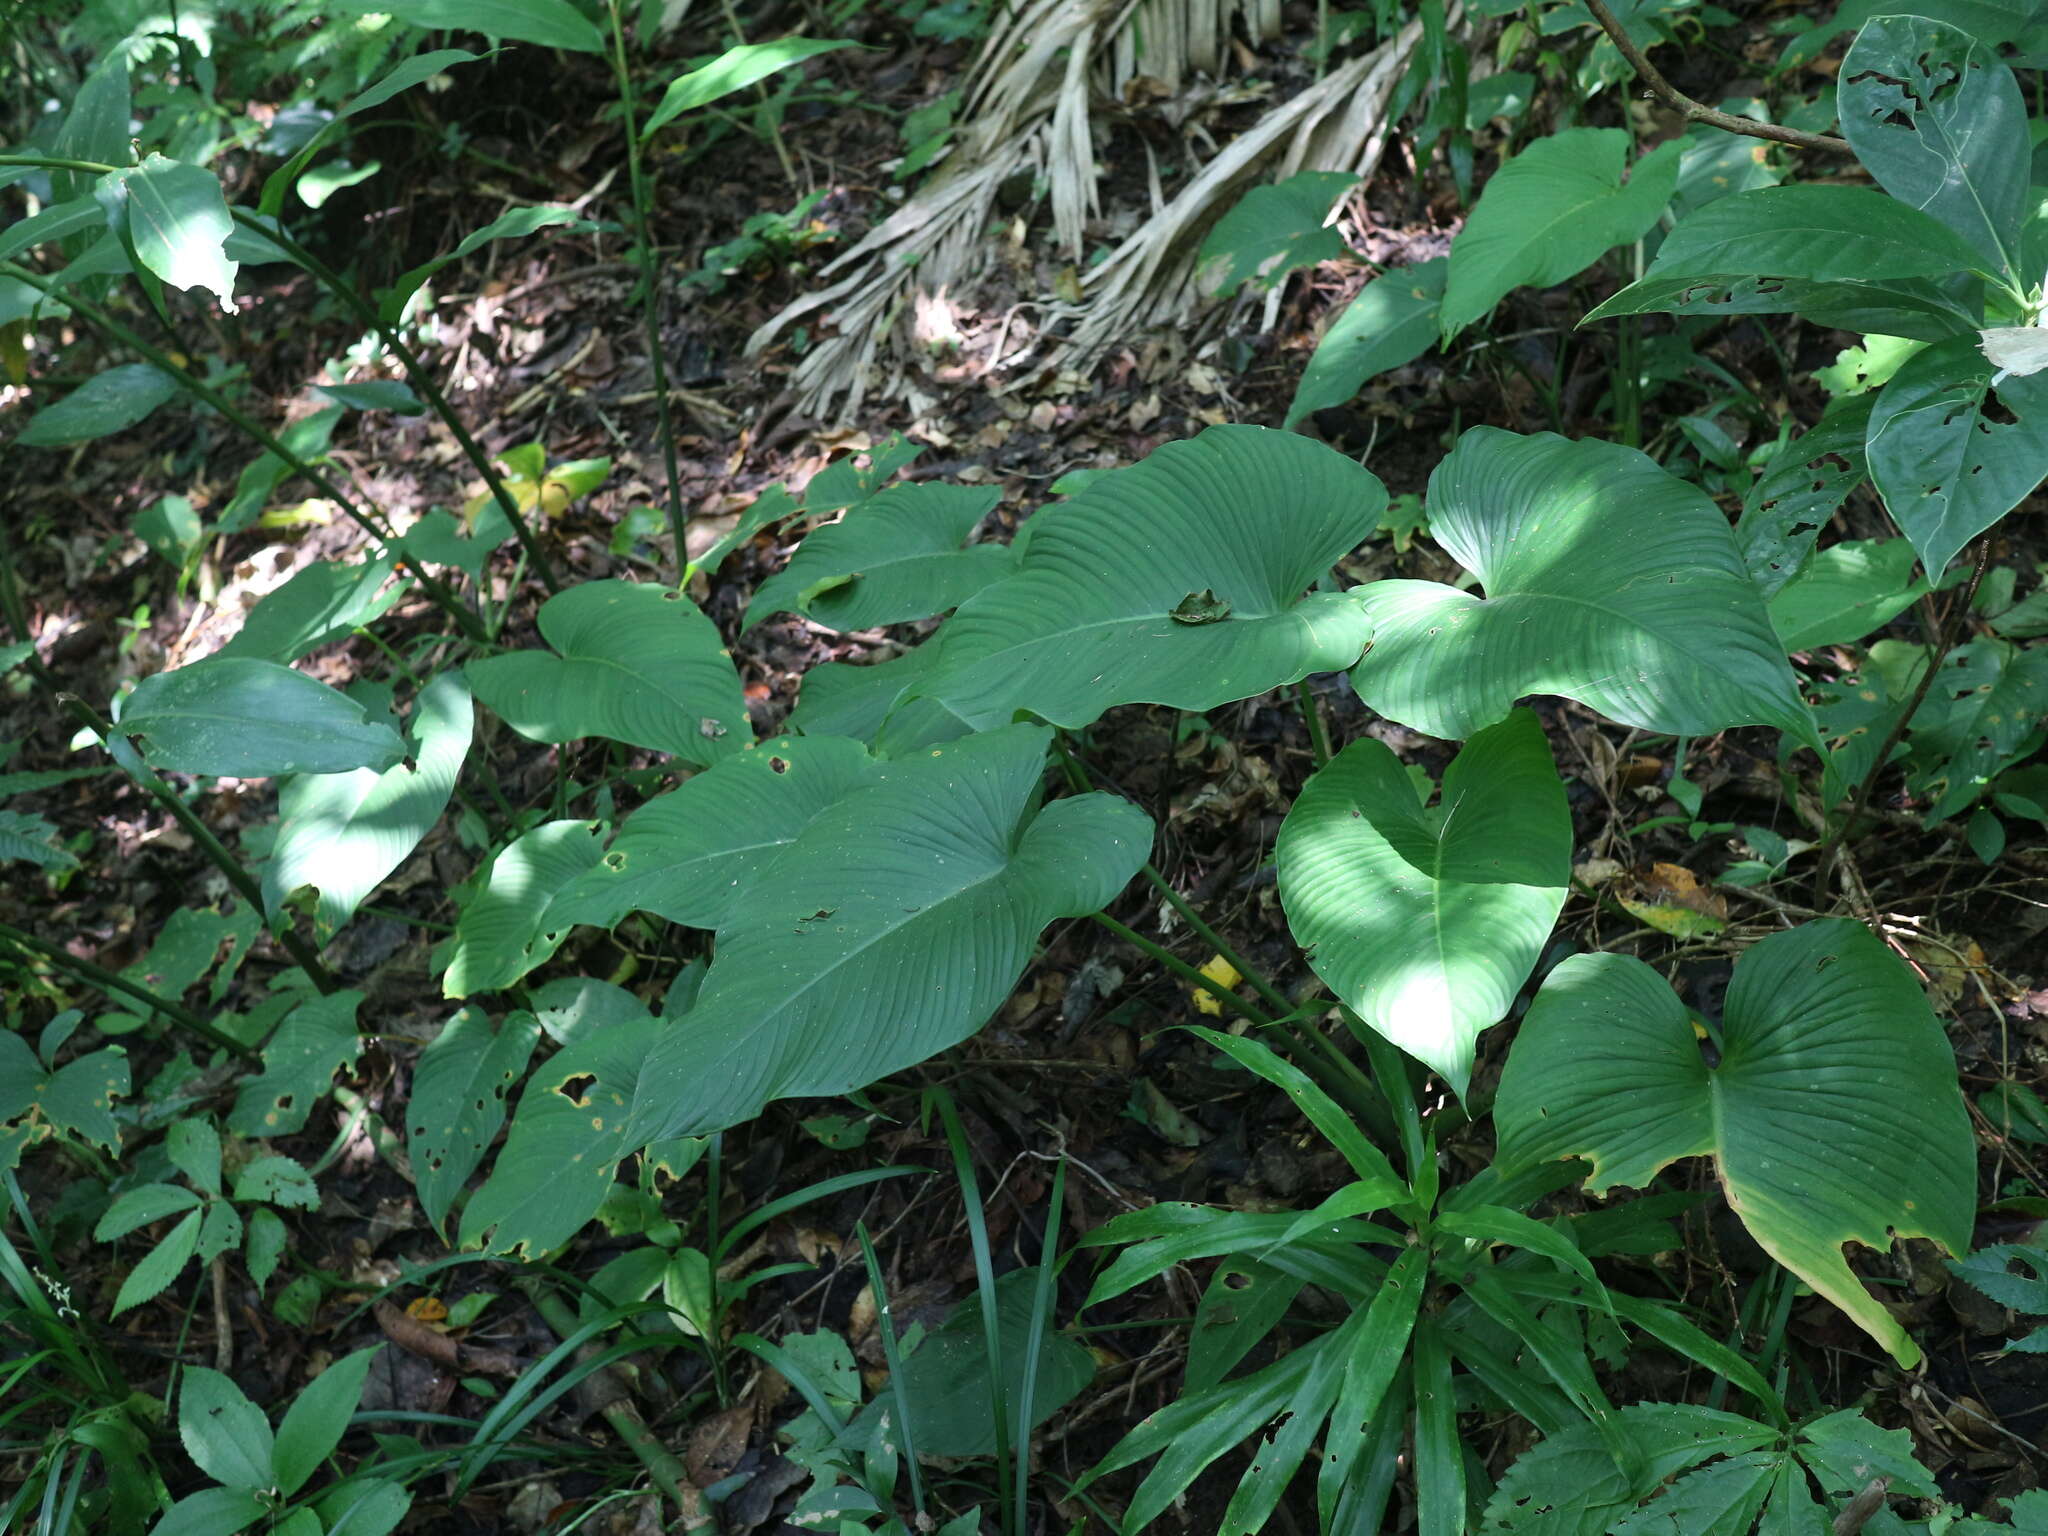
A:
(318, 1417)
(1427, 920)
(138, 1207)
(898, 556)
(237, 716)
(498, 936)
(32, 840)
(1845, 1451)
(1274, 230)
(1551, 212)
(689, 855)
(1826, 1036)
(364, 1506)
(267, 1239)
(889, 929)
(175, 219)
(1949, 453)
(1606, 580)
(225, 1433)
(161, 1265)
(343, 833)
(458, 1101)
(316, 1040)
(636, 663)
(1939, 120)
(101, 406)
(278, 1180)
(1251, 516)
(211, 1512)
(1847, 591)
(1392, 322)
(194, 1149)
(734, 69)
(220, 1229)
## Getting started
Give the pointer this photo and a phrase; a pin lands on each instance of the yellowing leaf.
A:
(1224, 974)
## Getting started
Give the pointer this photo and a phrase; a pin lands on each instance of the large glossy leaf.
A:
(1178, 581)
(734, 69)
(1833, 1115)
(498, 937)
(344, 832)
(1392, 321)
(1273, 230)
(637, 663)
(888, 930)
(1818, 233)
(1950, 454)
(1801, 488)
(688, 855)
(1917, 307)
(1846, 591)
(174, 218)
(458, 1101)
(235, 715)
(897, 556)
(1426, 920)
(102, 405)
(1550, 213)
(1606, 580)
(1938, 119)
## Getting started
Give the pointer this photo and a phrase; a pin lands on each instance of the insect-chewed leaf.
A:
(1606, 580)
(315, 1041)
(1427, 920)
(77, 1097)
(458, 1101)
(1833, 1115)
(501, 935)
(895, 557)
(1253, 516)
(888, 930)
(174, 216)
(344, 832)
(688, 855)
(637, 663)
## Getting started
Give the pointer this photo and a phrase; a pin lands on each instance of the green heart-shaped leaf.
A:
(1426, 920)
(235, 715)
(1607, 581)
(1833, 1115)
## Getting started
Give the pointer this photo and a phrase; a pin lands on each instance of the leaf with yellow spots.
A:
(317, 1039)
(77, 1097)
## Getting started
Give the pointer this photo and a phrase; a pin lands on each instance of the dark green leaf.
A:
(458, 1101)
(103, 404)
(225, 1433)
(1274, 230)
(317, 1039)
(1392, 321)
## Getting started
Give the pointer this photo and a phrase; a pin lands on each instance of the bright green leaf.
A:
(1915, 307)
(211, 1512)
(101, 406)
(1606, 580)
(1274, 230)
(313, 1426)
(734, 69)
(176, 220)
(1393, 321)
(1826, 1037)
(393, 395)
(391, 301)
(637, 663)
(1846, 591)
(458, 1101)
(225, 1433)
(161, 1265)
(236, 715)
(321, 603)
(1815, 233)
(497, 937)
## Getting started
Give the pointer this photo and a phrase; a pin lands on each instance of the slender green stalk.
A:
(1312, 716)
(1182, 969)
(417, 374)
(1034, 1342)
(100, 320)
(650, 285)
(714, 1186)
(985, 1283)
(892, 1355)
(108, 981)
(1214, 940)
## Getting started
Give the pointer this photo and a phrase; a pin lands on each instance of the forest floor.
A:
(543, 341)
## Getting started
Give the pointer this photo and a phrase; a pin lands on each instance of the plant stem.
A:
(108, 981)
(650, 285)
(1214, 940)
(241, 420)
(1312, 714)
(1182, 969)
(1698, 111)
(417, 374)
(1939, 638)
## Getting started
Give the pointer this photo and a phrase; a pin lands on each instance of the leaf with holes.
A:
(689, 855)
(1801, 488)
(77, 1097)
(1107, 605)
(1426, 920)
(898, 556)
(1274, 230)
(1606, 580)
(458, 1101)
(1551, 212)
(1950, 453)
(345, 832)
(1939, 120)
(172, 216)
(567, 1139)
(637, 663)
(1984, 713)
(317, 1039)
(890, 928)
(498, 936)
(240, 717)
(1392, 321)
(1826, 1043)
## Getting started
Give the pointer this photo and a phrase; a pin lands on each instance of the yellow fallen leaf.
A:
(1224, 974)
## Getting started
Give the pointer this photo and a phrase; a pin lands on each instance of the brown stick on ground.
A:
(1699, 111)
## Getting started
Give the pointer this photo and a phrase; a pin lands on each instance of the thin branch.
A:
(1699, 111)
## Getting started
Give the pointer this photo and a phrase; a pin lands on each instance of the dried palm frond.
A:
(1028, 108)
